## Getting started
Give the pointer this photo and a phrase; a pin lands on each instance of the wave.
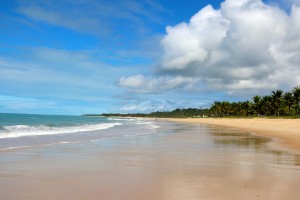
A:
(27, 130)
(42, 145)
(120, 119)
(144, 122)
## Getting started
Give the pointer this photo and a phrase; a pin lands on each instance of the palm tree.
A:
(257, 104)
(226, 107)
(267, 107)
(296, 94)
(235, 108)
(216, 108)
(277, 99)
(246, 107)
(289, 101)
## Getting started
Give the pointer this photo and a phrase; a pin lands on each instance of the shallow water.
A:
(28, 130)
(179, 161)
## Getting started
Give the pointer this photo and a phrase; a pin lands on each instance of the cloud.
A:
(97, 17)
(16, 104)
(147, 106)
(67, 20)
(46, 72)
(141, 84)
(141, 107)
(20, 103)
(189, 48)
(244, 45)
(284, 4)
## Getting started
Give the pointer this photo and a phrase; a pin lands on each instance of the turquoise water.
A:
(49, 120)
(27, 130)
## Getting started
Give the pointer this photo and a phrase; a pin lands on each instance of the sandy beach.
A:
(285, 132)
(184, 161)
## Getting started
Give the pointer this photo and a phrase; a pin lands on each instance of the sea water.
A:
(28, 130)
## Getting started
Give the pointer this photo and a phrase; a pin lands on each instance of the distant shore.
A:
(285, 132)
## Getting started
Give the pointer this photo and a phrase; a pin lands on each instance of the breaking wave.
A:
(28, 130)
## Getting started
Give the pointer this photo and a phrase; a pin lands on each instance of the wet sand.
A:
(285, 131)
(182, 161)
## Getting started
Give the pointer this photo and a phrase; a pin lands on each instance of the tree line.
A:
(177, 113)
(277, 104)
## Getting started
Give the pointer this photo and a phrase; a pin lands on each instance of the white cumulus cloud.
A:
(245, 47)
(245, 44)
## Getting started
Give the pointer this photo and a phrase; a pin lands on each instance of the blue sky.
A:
(95, 56)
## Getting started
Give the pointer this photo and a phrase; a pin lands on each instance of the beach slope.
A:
(285, 132)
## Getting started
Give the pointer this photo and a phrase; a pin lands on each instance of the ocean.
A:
(29, 130)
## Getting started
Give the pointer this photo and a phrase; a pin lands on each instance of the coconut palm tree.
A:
(267, 107)
(277, 99)
(246, 107)
(216, 108)
(289, 101)
(257, 104)
(296, 95)
(226, 107)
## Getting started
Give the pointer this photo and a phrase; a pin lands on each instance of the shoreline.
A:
(284, 132)
(180, 160)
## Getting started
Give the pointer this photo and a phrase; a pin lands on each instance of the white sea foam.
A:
(149, 124)
(145, 123)
(42, 145)
(26, 130)
(120, 119)
(11, 148)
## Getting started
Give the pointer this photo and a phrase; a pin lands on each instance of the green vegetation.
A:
(277, 104)
(177, 113)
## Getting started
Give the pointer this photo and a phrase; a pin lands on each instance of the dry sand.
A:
(285, 131)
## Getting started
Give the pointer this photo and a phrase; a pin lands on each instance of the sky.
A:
(127, 56)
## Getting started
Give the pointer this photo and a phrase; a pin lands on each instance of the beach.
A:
(186, 161)
(285, 132)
